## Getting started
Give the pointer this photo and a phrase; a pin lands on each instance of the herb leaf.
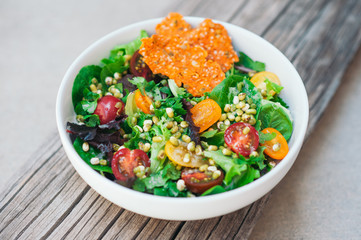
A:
(263, 137)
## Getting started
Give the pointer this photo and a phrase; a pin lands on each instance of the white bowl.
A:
(200, 207)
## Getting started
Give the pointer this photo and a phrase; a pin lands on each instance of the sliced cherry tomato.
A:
(240, 142)
(176, 155)
(143, 102)
(108, 108)
(205, 114)
(276, 148)
(198, 182)
(139, 68)
(259, 78)
(125, 160)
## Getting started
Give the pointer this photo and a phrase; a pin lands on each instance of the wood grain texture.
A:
(50, 201)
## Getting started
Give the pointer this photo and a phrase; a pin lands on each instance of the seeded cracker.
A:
(213, 37)
(173, 24)
(196, 58)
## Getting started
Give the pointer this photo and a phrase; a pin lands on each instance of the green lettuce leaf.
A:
(86, 156)
(159, 130)
(176, 91)
(109, 69)
(248, 176)
(224, 92)
(81, 82)
(214, 190)
(249, 63)
(228, 164)
(130, 48)
(275, 116)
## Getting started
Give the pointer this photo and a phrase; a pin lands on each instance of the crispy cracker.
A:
(173, 24)
(213, 37)
(196, 58)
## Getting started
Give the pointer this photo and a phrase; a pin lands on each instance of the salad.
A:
(180, 113)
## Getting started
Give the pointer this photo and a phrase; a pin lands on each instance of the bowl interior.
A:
(191, 208)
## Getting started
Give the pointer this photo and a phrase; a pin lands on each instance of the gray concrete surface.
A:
(318, 199)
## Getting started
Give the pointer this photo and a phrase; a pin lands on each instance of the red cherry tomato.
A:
(241, 141)
(125, 160)
(108, 108)
(139, 68)
(198, 182)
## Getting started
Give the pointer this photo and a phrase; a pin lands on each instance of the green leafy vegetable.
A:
(160, 182)
(119, 52)
(278, 99)
(160, 130)
(228, 164)
(249, 63)
(275, 116)
(158, 179)
(252, 93)
(177, 91)
(140, 82)
(209, 134)
(248, 176)
(271, 86)
(224, 92)
(214, 190)
(130, 48)
(166, 90)
(86, 156)
(83, 80)
(214, 139)
(258, 160)
(174, 103)
(263, 137)
(109, 69)
(130, 108)
(91, 120)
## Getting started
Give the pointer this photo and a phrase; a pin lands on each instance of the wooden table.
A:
(50, 200)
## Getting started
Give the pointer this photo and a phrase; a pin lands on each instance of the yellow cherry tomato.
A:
(259, 78)
(177, 154)
(276, 148)
(205, 114)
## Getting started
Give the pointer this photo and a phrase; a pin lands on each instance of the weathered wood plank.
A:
(338, 37)
(319, 36)
(253, 214)
(226, 230)
(49, 180)
(159, 229)
(46, 151)
(257, 16)
(218, 10)
(200, 229)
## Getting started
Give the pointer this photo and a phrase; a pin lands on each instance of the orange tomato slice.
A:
(276, 148)
(259, 78)
(176, 155)
(205, 114)
(142, 102)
